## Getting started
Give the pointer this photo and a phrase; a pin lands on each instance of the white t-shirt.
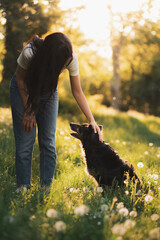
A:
(27, 54)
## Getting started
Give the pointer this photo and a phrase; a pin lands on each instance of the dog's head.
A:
(84, 132)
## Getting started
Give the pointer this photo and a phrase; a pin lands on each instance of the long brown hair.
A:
(50, 56)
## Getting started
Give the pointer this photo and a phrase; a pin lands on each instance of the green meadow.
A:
(76, 208)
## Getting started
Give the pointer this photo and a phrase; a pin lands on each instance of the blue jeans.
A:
(46, 119)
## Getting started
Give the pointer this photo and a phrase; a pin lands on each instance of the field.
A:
(76, 208)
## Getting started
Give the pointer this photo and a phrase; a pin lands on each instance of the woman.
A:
(34, 99)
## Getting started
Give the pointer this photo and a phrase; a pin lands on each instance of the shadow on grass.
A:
(131, 128)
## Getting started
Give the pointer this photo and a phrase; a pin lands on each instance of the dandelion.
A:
(118, 229)
(60, 226)
(126, 192)
(154, 217)
(133, 214)
(155, 176)
(74, 190)
(99, 189)
(67, 138)
(155, 233)
(61, 132)
(102, 199)
(148, 198)
(150, 144)
(140, 164)
(129, 224)
(123, 211)
(86, 189)
(126, 182)
(115, 199)
(32, 217)
(146, 152)
(104, 207)
(120, 205)
(51, 213)
(81, 210)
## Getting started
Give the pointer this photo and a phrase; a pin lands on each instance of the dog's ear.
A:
(100, 127)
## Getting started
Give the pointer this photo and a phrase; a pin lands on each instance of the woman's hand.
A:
(97, 130)
(28, 121)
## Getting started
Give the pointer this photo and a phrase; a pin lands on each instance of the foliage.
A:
(23, 20)
(24, 215)
(140, 82)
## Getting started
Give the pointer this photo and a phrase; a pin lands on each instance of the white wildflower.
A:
(155, 233)
(60, 226)
(124, 143)
(118, 229)
(98, 223)
(104, 207)
(119, 238)
(129, 224)
(115, 199)
(61, 132)
(150, 144)
(74, 190)
(133, 214)
(120, 205)
(81, 210)
(154, 217)
(158, 155)
(67, 138)
(21, 189)
(140, 164)
(32, 217)
(148, 198)
(146, 152)
(51, 213)
(126, 192)
(123, 211)
(126, 182)
(117, 141)
(99, 189)
(155, 176)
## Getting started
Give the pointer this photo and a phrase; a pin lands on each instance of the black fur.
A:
(103, 162)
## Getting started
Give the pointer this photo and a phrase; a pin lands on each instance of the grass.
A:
(25, 215)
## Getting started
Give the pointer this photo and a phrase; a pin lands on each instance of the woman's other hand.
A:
(28, 121)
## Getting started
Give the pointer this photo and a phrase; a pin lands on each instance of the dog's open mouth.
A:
(75, 127)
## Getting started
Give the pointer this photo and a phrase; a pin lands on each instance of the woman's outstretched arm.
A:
(82, 102)
(28, 118)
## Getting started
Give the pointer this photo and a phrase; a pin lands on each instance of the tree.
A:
(23, 19)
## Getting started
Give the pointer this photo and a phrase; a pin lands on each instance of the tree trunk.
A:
(115, 80)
